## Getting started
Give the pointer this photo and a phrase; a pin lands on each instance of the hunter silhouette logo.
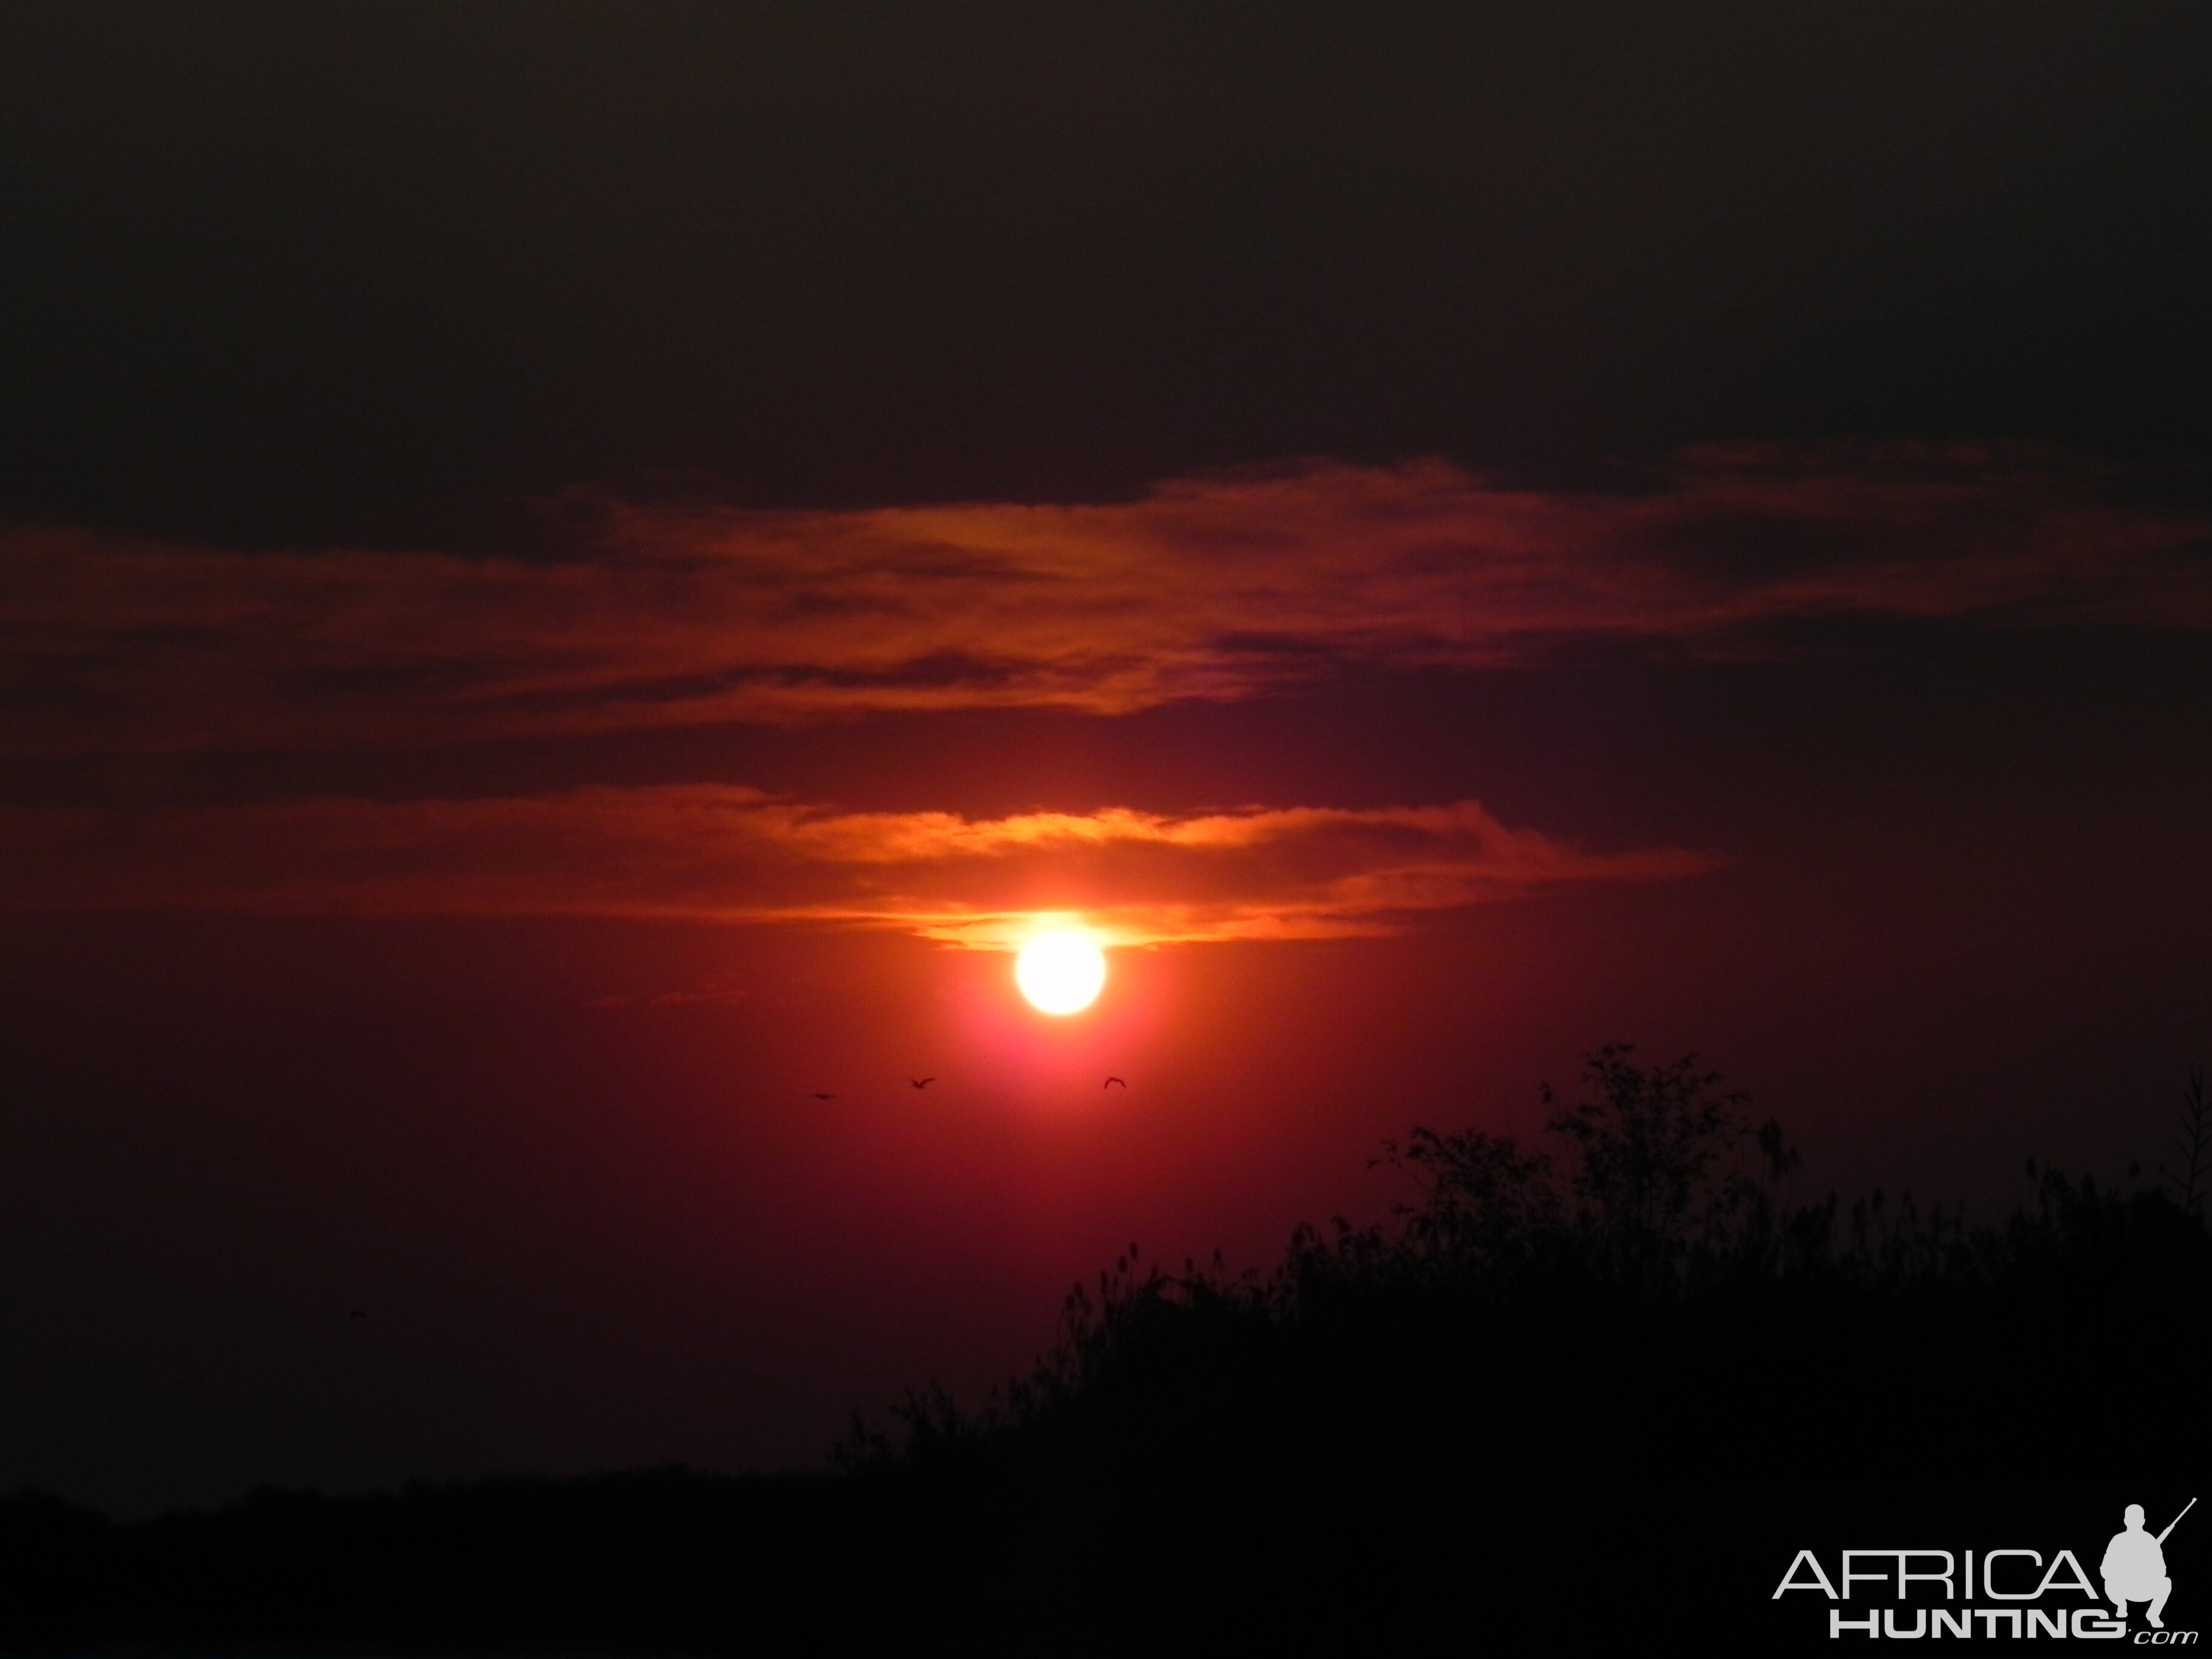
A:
(2025, 1592)
(2135, 1565)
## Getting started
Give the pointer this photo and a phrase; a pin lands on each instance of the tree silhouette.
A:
(1654, 1159)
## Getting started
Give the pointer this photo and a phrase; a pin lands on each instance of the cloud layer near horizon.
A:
(1222, 586)
(715, 852)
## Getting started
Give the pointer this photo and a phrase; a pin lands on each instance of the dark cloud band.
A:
(1216, 587)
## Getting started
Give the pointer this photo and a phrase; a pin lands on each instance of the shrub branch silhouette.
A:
(2192, 1144)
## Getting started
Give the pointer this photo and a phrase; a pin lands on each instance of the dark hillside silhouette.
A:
(1560, 1383)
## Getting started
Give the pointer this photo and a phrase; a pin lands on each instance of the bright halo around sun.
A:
(1061, 972)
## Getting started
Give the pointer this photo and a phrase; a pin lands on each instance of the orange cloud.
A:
(722, 853)
(1222, 586)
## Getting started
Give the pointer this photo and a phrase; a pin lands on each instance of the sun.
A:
(1061, 972)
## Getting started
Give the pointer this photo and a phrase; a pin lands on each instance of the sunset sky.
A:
(573, 577)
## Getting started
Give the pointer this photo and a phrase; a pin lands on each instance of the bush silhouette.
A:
(1635, 1298)
(1613, 1347)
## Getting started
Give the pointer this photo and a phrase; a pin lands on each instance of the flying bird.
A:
(822, 1097)
(922, 1082)
(1111, 1081)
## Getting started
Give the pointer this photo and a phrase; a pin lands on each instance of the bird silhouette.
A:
(1111, 1081)
(358, 1313)
(922, 1082)
(822, 1097)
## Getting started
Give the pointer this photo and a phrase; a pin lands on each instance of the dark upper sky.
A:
(300, 274)
(571, 575)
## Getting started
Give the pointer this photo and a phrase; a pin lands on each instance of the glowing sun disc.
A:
(1060, 973)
